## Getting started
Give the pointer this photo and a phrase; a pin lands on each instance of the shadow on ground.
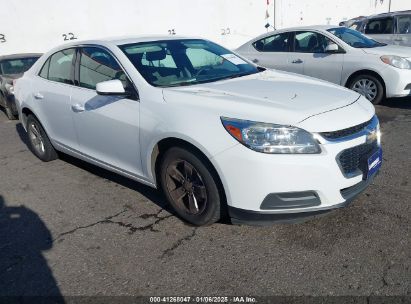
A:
(23, 239)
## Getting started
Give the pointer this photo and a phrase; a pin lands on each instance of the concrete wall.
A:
(36, 26)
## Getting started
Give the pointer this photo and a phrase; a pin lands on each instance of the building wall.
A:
(36, 26)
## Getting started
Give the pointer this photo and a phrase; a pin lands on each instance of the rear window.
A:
(17, 66)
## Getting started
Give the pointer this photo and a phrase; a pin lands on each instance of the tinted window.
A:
(17, 66)
(185, 62)
(404, 24)
(310, 42)
(354, 38)
(45, 69)
(60, 66)
(380, 26)
(356, 26)
(97, 65)
(275, 43)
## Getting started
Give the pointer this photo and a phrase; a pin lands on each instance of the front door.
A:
(107, 126)
(309, 51)
(381, 29)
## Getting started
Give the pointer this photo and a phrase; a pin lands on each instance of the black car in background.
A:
(11, 68)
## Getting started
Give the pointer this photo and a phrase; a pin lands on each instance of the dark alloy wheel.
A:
(190, 187)
(39, 142)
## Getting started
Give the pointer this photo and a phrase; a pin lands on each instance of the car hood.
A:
(396, 50)
(269, 96)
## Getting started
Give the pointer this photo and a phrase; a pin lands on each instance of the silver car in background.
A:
(390, 28)
(336, 54)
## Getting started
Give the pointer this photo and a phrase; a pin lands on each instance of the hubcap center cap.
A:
(187, 185)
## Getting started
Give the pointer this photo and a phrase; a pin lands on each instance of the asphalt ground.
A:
(69, 228)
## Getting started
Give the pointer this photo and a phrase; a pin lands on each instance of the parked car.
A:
(336, 54)
(11, 68)
(390, 28)
(215, 132)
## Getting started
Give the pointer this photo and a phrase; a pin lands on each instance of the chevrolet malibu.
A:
(219, 135)
(339, 55)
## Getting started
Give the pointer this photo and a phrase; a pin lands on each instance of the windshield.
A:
(16, 66)
(354, 38)
(185, 62)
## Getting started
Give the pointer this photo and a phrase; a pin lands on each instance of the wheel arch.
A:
(366, 72)
(164, 144)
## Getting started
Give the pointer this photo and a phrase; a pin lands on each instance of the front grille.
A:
(345, 132)
(354, 159)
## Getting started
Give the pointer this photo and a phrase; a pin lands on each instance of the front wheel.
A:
(190, 187)
(39, 142)
(368, 86)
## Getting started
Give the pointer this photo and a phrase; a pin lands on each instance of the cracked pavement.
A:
(67, 227)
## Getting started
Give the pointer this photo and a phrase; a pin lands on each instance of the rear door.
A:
(403, 30)
(381, 29)
(309, 52)
(51, 96)
(273, 52)
(107, 126)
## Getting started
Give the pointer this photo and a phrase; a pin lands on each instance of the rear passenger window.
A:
(60, 66)
(97, 65)
(380, 26)
(275, 43)
(44, 73)
(404, 24)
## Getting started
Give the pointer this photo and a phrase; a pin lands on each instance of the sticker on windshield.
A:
(233, 59)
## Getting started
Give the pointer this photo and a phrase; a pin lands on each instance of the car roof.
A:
(299, 28)
(130, 39)
(20, 56)
(390, 14)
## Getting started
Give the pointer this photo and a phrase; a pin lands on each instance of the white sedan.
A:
(336, 54)
(216, 133)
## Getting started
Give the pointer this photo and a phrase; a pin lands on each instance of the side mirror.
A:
(332, 48)
(110, 87)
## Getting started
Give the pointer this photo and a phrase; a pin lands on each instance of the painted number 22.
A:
(69, 36)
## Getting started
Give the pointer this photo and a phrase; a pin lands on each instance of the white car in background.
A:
(216, 133)
(336, 54)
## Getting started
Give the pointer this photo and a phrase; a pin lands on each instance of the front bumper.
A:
(278, 187)
(397, 82)
(240, 216)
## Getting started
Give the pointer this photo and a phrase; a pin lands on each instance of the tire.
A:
(369, 86)
(184, 174)
(38, 141)
(9, 113)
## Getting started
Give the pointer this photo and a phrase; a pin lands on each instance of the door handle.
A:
(255, 60)
(38, 96)
(77, 108)
(297, 61)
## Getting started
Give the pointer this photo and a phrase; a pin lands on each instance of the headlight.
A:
(10, 89)
(396, 61)
(271, 138)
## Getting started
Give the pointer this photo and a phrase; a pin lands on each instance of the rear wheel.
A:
(190, 187)
(39, 142)
(369, 86)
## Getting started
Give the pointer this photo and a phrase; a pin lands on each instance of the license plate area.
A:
(373, 163)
